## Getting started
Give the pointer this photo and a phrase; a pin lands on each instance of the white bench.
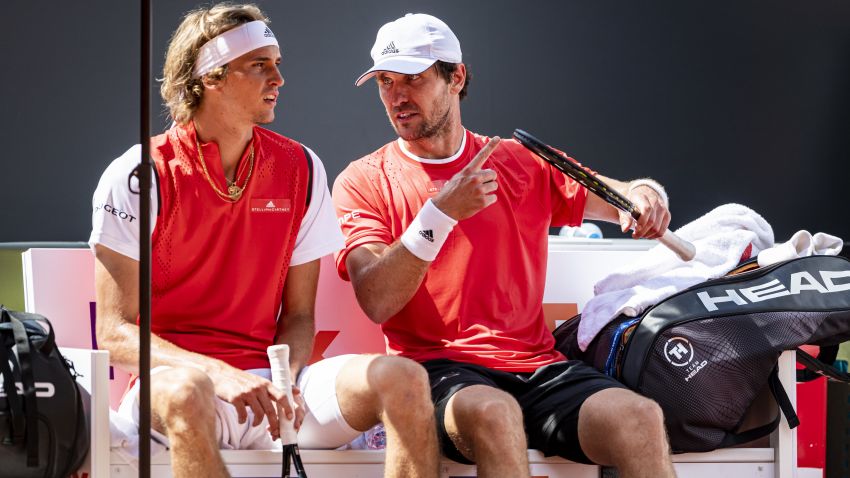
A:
(93, 365)
(53, 287)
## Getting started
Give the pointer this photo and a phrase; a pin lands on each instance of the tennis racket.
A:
(684, 249)
(279, 360)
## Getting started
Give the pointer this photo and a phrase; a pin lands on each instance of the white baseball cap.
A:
(411, 44)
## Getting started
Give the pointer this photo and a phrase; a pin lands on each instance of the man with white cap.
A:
(242, 216)
(446, 244)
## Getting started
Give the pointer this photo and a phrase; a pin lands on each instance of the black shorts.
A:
(550, 399)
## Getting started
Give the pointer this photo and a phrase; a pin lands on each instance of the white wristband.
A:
(659, 189)
(426, 234)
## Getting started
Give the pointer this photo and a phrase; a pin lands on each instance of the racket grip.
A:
(684, 249)
(279, 361)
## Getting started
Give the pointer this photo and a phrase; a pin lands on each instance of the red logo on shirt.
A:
(270, 205)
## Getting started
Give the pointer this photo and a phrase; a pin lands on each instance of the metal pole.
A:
(145, 248)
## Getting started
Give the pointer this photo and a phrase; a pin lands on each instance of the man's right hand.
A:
(471, 189)
(246, 390)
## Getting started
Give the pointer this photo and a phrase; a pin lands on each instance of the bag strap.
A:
(785, 406)
(782, 399)
(732, 439)
(13, 401)
(816, 368)
(25, 362)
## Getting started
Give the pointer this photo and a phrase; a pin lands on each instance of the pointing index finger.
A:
(481, 157)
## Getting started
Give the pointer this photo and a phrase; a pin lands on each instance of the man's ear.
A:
(211, 83)
(458, 78)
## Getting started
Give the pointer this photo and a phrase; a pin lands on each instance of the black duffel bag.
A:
(708, 355)
(43, 428)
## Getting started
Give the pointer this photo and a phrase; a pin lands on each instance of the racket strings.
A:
(578, 174)
(581, 177)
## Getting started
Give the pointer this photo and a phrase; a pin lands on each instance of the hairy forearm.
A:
(598, 208)
(297, 331)
(385, 279)
(122, 342)
(117, 292)
(650, 202)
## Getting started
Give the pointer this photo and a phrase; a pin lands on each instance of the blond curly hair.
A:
(182, 93)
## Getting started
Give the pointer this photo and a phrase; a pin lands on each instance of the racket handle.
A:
(684, 249)
(279, 361)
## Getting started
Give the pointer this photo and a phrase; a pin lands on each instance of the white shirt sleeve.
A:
(115, 209)
(319, 234)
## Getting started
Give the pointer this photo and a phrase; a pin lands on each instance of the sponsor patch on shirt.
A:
(270, 205)
(110, 209)
(348, 217)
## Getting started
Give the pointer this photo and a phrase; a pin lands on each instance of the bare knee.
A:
(616, 424)
(477, 414)
(182, 395)
(381, 388)
(642, 420)
(399, 382)
(649, 413)
(618, 427)
(486, 412)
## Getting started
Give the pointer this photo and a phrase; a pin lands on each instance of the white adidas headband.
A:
(232, 44)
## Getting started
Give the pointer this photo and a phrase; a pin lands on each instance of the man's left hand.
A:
(298, 406)
(654, 215)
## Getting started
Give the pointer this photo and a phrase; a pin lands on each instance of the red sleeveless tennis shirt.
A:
(218, 268)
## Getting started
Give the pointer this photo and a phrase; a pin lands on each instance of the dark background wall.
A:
(725, 101)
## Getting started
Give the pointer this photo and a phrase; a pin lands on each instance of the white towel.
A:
(124, 433)
(801, 244)
(721, 238)
(232, 435)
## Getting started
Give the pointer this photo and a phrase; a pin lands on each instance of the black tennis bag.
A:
(43, 428)
(708, 355)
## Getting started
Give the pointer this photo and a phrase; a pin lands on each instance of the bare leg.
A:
(617, 427)
(486, 425)
(183, 409)
(395, 391)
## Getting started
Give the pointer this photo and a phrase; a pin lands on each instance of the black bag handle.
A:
(13, 401)
(816, 368)
(22, 343)
(50, 342)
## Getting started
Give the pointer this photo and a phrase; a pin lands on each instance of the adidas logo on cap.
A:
(268, 33)
(428, 235)
(390, 49)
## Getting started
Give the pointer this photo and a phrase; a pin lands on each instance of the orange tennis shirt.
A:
(481, 299)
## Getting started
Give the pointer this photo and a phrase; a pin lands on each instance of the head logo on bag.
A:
(679, 351)
(799, 282)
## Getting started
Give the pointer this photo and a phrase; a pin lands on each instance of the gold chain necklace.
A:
(234, 192)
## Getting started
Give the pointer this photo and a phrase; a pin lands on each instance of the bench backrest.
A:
(58, 283)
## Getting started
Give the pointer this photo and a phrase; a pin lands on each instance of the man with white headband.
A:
(446, 248)
(241, 218)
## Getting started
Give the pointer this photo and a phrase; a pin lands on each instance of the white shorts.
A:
(323, 426)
